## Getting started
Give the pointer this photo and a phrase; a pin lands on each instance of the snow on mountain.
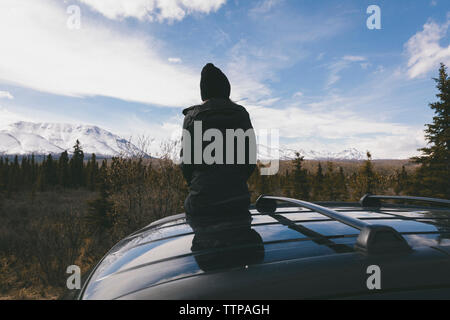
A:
(23, 138)
(283, 153)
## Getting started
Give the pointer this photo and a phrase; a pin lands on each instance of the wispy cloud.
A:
(425, 51)
(264, 6)
(151, 10)
(43, 54)
(340, 65)
(175, 60)
(279, 41)
(6, 95)
(248, 72)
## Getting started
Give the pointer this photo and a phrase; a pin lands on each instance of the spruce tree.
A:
(92, 172)
(100, 215)
(330, 188)
(433, 176)
(33, 170)
(50, 172)
(318, 184)
(366, 181)
(2, 175)
(301, 186)
(341, 185)
(63, 170)
(77, 165)
(400, 181)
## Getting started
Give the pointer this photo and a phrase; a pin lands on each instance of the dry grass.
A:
(39, 236)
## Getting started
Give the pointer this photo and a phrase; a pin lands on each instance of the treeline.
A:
(64, 172)
(326, 182)
(329, 182)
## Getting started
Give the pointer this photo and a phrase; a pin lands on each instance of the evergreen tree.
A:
(41, 180)
(92, 172)
(25, 172)
(366, 181)
(341, 185)
(2, 174)
(318, 184)
(14, 176)
(100, 215)
(33, 170)
(77, 165)
(50, 172)
(330, 188)
(301, 186)
(368, 175)
(64, 170)
(433, 177)
(400, 181)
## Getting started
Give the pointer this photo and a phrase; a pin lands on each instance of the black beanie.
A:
(214, 83)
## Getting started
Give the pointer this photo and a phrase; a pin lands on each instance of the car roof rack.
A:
(369, 200)
(372, 239)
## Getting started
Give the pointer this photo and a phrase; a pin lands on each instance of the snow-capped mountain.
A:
(24, 138)
(284, 153)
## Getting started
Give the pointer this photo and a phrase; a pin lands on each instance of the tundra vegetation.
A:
(70, 210)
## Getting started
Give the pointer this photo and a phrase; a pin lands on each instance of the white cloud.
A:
(336, 130)
(334, 124)
(175, 60)
(6, 95)
(151, 10)
(424, 49)
(268, 102)
(39, 52)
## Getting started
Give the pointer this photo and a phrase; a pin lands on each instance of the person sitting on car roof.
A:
(215, 164)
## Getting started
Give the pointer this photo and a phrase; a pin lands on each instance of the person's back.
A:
(218, 186)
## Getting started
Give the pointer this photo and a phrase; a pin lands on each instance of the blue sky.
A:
(311, 69)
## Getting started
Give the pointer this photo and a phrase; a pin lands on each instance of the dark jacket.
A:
(218, 187)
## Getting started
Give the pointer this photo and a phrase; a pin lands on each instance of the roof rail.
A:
(370, 200)
(372, 239)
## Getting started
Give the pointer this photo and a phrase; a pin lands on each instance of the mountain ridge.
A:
(26, 138)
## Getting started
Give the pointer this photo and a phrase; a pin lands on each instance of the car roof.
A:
(168, 250)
